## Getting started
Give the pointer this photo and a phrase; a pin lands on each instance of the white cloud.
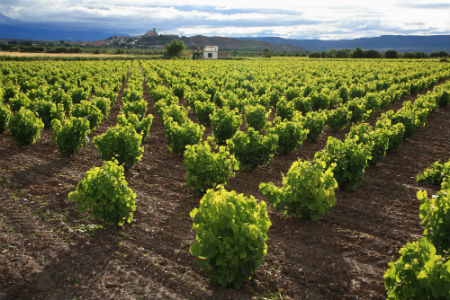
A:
(324, 19)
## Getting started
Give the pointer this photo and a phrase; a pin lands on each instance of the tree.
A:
(372, 54)
(314, 55)
(330, 53)
(439, 54)
(391, 54)
(358, 53)
(409, 55)
(266, 52)
(75, 50)
(342, 53)
(421, 55)
(27, 43)
(174, 48)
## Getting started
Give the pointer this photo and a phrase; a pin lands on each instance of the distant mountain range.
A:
(10, 29)
(402, 43)
(51, 34)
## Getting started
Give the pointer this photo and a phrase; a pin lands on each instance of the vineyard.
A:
(261, 178)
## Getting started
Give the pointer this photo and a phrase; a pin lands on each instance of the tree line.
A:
(360, 53)
(177, 48)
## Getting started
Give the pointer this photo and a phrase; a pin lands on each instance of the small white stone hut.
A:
(211, 52)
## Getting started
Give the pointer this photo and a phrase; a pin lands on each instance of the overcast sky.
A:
(326, 19)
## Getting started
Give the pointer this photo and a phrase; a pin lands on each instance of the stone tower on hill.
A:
(151, 33)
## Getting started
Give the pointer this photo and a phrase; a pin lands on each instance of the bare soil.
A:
(34, 54)
(49, 250)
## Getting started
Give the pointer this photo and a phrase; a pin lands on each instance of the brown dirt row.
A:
(34, 182)
(29, 54)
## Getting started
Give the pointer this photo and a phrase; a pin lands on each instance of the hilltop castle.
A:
(151, 33)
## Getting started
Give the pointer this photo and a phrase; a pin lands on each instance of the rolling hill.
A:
(401, 43)
(224, 43)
